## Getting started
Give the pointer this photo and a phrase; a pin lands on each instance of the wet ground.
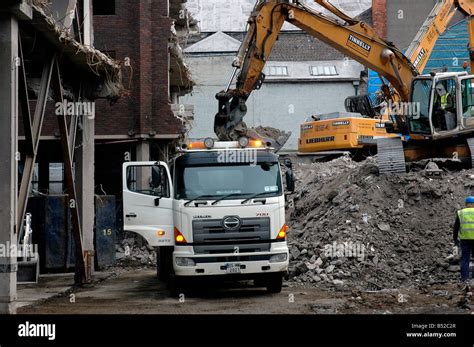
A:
(140, 292)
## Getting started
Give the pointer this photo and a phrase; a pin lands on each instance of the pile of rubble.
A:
(276, 137)
(351, 227)
(133, 251)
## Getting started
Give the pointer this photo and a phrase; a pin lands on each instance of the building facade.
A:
(294, 89)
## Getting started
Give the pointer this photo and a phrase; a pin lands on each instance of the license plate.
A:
(232, 268)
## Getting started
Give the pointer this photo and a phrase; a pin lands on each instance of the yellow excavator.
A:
(427, 133)
(359, 129)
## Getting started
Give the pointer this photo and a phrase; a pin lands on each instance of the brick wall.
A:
(140, 31)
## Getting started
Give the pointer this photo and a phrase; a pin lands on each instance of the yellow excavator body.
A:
(342, 132)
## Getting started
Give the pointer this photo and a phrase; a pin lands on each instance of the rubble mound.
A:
(351, 227)
(133, 251)
(276, 137)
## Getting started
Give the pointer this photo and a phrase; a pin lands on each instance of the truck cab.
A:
(217, 209)
(445, 105)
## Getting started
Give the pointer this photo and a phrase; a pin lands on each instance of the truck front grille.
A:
(210, 237)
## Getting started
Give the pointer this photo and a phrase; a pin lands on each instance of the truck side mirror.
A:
(157, 201)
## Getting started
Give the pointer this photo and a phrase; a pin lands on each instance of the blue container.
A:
(51, 232)
(105, 230)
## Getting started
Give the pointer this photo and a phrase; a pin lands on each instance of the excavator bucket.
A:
(229, 124)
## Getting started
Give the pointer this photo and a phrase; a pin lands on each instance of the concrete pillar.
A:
(88, 28)
(143, 151)
(84, 172)
(143, 154)
(379, 17)
(8, 162)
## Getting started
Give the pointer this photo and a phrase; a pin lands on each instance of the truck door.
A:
(467, 102)
(147, 202)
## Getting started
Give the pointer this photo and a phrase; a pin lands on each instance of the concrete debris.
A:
(99, 63)
(133, 251)
(360, 228)
(276, 137)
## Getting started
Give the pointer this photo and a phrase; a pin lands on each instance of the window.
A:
(34, 179)
(444, 107)
(277, 71)
(420, 95)
(467, 87)
(104, 7)
(237, 181)
(56, 178)
(148, 180)
(323, 71)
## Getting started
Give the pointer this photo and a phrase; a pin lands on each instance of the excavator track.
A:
(470, 143)
(390, 156)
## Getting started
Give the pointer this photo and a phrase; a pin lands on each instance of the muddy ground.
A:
(139, 292)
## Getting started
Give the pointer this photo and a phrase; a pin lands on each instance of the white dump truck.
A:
(217, 209)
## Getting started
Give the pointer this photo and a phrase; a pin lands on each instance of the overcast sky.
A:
(232, 15)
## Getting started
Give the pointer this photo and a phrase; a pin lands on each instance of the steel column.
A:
(34, 133)
(83, 273)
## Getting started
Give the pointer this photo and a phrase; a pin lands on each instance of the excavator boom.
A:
(435, 25)
(355, 39)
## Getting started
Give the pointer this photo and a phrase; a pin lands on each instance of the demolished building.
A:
(52, 55)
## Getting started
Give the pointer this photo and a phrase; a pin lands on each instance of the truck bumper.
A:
(219, 264)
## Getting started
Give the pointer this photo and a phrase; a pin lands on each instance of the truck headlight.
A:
(185, 262)
(278, 258)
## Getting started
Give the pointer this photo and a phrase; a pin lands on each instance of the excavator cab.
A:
(442, 105)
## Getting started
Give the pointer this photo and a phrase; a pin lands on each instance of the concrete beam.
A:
(8, 162)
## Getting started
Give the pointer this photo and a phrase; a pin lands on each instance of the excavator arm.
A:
(435, 25)
(355, 39)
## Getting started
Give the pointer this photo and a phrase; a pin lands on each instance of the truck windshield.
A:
(421, 97)
(227, 181)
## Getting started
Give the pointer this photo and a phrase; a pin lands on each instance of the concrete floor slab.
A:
(49, 286)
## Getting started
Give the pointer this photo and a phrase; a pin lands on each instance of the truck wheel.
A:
(164, 262)
(275, 283)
